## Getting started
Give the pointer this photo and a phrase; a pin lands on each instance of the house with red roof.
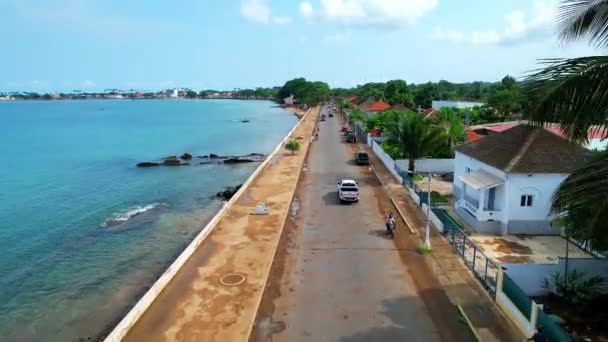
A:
(504, 182)
(375, 107)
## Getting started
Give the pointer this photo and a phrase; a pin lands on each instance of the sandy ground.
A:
(296, 111)
(526, 249)
(337, 277)
(195, 306)
(437, 184)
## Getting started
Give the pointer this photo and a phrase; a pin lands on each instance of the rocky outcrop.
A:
(174, 162)
(147, 164)
(229, 192)
(211, 158)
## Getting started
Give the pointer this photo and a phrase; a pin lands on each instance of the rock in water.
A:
(147, 164)
(213, 156)
(173, 162)
(229, 192)
(186, 156)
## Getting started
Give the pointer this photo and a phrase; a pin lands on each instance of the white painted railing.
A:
(468, 206)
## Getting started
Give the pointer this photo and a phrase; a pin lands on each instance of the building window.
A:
(526, 201)
(467, 170)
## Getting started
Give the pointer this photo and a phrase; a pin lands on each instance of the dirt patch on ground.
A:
(509, 247)
(514, 259)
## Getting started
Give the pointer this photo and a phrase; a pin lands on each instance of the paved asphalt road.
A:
(344, 279)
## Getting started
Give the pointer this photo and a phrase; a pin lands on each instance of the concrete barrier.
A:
(123, 327)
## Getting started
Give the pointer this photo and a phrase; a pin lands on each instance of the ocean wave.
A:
(124, 216)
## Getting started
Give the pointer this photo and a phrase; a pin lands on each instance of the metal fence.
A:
(483, 268)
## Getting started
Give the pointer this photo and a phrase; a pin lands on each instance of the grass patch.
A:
(417, 178)
(438, 198)
(423, 249)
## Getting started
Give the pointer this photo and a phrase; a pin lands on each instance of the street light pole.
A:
(427, 233)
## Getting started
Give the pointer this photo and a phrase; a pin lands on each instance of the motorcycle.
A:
(390, 228)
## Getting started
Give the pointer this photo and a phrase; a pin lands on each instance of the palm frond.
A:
(583, 19)
(572, 92)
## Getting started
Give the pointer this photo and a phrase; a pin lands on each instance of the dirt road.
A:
(337, 276)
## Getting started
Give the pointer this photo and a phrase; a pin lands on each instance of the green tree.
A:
(292, 87)
(292, 145)
(506, 102)
(191, 94)
(574, 93)
(425, 94)
(416, 136)
(397, 92)
(374, 91)
(356, 117)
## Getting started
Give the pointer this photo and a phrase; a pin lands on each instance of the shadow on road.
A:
(405, 326)
(381, 233)
(331, 198)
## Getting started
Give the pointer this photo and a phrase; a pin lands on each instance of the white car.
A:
(348, 191)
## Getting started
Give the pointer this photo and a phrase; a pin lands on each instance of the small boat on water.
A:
(244, 120)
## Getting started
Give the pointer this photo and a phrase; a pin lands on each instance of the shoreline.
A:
(299, 113)
(135, 312)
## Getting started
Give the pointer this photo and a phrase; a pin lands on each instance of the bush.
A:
(292, 145)
(574, 288)
(423, 249)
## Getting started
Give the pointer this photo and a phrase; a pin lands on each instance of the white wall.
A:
(386, 160)
(530, 277)
(429, 165)
(541, 186)
(456, 104)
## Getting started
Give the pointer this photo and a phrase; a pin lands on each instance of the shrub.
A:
(574, 288)
(292, 145)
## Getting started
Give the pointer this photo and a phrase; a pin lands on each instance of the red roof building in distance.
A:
(378, 106)
(473, 136)
(352, 99)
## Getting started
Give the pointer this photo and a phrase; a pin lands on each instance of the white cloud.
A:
(379, 13)
(337, 37)
(306, 9)
(518, 28)
(258, 11)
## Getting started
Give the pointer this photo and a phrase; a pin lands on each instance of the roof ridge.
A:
(523, 149)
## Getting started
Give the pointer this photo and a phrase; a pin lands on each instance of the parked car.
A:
(351, 137)
(361, 158)
(348, 191)
(331, 114)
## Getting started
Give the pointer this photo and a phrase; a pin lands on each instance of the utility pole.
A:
(427, 233)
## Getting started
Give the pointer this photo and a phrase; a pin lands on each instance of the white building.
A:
(172, 93)
(504, 183)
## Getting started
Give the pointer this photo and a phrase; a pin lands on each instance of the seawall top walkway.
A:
(195, 305)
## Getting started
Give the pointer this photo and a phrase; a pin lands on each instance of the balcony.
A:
(480, 214)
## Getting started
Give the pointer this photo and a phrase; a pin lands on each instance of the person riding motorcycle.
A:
(390, 224)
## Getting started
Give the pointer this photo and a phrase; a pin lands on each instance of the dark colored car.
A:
(361, 158)
(351, 137)
(331, 114)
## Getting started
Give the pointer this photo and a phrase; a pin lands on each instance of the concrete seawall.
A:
(140, 308)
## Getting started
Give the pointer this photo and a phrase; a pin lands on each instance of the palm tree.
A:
(574, 93)
(416, 136)
(453, 125)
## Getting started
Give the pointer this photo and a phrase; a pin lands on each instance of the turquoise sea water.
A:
(73, 255)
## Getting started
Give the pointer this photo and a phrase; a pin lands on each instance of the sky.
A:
(62, 45)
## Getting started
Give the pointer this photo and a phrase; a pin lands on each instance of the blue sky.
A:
(62, 45)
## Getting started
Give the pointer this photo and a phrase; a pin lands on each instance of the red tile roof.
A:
(472, 136)
(352, 99)
(378, 106)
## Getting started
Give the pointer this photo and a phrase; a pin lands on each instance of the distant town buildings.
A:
(6, 98)
(172, 93)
